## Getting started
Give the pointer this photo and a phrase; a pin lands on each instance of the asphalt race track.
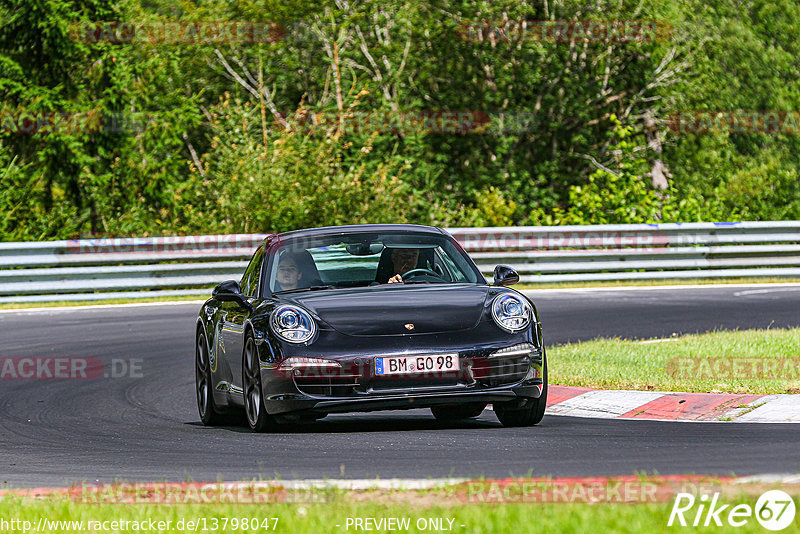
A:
(146, 427)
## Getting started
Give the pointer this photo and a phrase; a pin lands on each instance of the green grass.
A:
(323, 518)
(765, 362)
(62, 303)
(548, 285)
(651, 283)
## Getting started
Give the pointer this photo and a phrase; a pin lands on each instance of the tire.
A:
(528, 415)
(210, 415)
(257, 417)
(454, 413)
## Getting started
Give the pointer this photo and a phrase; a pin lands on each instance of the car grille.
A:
(340, 386)
(316, 382)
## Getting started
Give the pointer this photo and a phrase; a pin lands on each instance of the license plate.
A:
(405, 365)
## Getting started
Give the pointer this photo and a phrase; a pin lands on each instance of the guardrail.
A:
(91, 269)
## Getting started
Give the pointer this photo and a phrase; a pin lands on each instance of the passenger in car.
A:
(289, 274)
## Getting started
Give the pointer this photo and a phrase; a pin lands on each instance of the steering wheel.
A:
(419, 271)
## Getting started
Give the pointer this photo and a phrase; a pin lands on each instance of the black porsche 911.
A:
(368, 317)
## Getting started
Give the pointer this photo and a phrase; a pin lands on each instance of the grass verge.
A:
(549, 285)
(652, 283)
(64, 303)
(742, 361)
(416, 511)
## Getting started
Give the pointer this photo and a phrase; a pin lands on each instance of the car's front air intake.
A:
(505, 366)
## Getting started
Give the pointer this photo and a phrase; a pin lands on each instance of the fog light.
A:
(301, 363)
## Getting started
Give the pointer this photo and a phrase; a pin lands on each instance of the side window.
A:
(249, 281)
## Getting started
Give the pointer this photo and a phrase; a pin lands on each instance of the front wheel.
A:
(257, 417)
(530, 414)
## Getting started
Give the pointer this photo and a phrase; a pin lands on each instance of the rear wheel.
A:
(462, 411)
(257, 417)
(209, 414)
(530, 414)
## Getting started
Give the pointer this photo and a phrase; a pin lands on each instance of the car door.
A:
(233, 317)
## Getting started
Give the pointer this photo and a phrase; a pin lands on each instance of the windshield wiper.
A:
(312, 288)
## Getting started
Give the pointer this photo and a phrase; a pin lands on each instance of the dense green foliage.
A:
(257, 137)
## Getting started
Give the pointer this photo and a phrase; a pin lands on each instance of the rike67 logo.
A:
(774, 510)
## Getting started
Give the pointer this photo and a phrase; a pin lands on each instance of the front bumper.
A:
(299, 404)
(485, 375)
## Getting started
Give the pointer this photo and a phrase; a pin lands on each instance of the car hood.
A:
(387, 310)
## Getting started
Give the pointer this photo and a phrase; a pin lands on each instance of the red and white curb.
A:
(660, 405)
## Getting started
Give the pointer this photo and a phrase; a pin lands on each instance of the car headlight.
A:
(292, 324)
(511, 313)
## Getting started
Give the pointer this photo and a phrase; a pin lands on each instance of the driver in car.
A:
(403, 260)
(288, 274)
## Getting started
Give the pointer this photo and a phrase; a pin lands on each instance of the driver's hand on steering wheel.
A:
(396, 279)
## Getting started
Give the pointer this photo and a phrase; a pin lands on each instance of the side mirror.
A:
(505, 276)
(230, 291)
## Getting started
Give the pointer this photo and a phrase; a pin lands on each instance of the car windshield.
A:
(359, 260)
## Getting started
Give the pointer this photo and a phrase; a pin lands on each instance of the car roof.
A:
(354, 228)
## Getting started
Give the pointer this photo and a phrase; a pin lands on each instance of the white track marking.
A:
(780, 409)
(764, 291)
(603, 404)
(770, 478)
